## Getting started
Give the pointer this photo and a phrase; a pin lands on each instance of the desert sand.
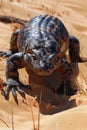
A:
(71, 112)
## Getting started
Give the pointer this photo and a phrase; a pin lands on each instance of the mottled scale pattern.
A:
(41, 39)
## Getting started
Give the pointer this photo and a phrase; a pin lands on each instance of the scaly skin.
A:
(39, 47)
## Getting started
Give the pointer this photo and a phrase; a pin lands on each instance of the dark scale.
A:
(39, 46)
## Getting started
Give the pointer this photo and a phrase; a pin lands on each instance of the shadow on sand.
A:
(51, 103)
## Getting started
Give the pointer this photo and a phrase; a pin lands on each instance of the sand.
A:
(71, 112)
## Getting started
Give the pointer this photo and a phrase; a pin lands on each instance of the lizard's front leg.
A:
(14, 63)
(70, 72)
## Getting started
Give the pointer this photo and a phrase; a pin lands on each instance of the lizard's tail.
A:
(9, 19)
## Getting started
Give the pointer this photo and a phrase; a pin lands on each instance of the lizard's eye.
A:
(30, 58)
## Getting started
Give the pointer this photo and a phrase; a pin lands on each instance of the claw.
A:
(14, 86)
(14, 95)
(20, 90)
(14, 92)
(2, 53)
(26, 86)
(22, 93)
(6, 94)
(5, 54)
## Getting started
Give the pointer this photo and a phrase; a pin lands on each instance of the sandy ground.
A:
(71, 112)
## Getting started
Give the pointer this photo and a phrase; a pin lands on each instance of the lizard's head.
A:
(42, 64)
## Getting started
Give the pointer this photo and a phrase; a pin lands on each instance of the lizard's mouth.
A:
(42, 67)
